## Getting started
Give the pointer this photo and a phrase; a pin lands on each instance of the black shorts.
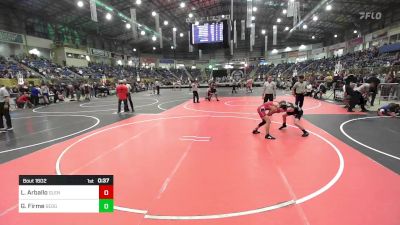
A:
(298, 115)
(213, 90)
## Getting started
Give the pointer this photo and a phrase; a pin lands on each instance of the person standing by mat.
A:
(5, 109)
(299, 90)
(297, 112)
(157, 85)
(234, 85)
(269, 92)
(272, 108)
(129, 95)
(122, 94)
(195, 89)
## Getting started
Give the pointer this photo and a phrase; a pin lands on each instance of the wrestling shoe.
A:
(268, 136)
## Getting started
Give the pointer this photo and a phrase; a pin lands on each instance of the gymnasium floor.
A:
(175, 162)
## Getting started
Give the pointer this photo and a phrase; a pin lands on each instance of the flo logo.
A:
(370, 15)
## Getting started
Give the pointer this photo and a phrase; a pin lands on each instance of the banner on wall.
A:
(161, 37)
(148, 60)
(157, 21)
(237, 74)
(234, 34)
(249, 13)
(167, 61)
(253, 34)
(93, 10)
(274, 34)
(356, 41)
(190, 45)
(317, 51)
(98, 52)
(20, 78)
(293, 54)
(11, 37)
(133, 23)
(243, 30)
(174, 37)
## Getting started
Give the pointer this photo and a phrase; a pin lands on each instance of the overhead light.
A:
(181, 35)
(315, 18)
(288, 49)
(223, 16)
(172, 47)
(335, 36)
(254, 9)
(108, 16)
(128, 26)
(154, 48)
(142, 33)
(313, 37)
(166, 22)
(174, 29)
(274, 51)
(328, 7)
(119, 62)
(291, 0)
(134, 49)
(278, 20)
(193, 8)
(302, 47)
(263, 31)
(80, 4)
(305, 26)
(138, 2)
(190, 15)
(274, 26)
(253, 18)
(355, 31)
(87, 58)
(153, 13)
(284, 11)
(196, 23)
(287, 28)
(182, 5)
(139, 25)
(154, 38)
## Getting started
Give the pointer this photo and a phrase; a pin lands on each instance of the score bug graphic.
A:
(106, 195)
(66, 194)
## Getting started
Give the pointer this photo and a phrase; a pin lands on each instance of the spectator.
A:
(35, 92)
(23, 101)
(122, 94)
(45, 93)
(5, 109)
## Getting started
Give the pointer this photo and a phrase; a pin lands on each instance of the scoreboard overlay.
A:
(66, 194)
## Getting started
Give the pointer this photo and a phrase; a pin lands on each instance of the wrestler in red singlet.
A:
(265, 111)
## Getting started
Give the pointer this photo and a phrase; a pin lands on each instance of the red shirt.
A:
(22, 99)
(267, 106)
(122, 92)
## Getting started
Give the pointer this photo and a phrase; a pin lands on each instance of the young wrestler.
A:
(391, 109)
(297, 112)
(265, 111)
(212, 90)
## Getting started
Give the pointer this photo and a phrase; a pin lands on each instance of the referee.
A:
(269, 92)
(299, 90)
